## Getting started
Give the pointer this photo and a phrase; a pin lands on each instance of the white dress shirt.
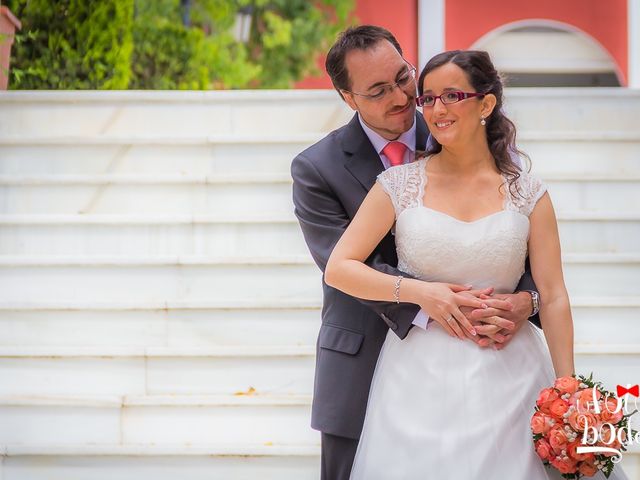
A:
(379, 142)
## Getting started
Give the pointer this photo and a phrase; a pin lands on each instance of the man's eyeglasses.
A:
(408, 78)
(447, 98)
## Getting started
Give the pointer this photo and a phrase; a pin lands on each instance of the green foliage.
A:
(288, 35)
(72, 44)
(143, 44)
(169, 55)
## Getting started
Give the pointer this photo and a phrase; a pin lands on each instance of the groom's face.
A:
(372, 71)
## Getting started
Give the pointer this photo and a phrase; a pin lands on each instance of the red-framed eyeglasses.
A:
(447, 98)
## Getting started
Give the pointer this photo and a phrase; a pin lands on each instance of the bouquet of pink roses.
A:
(579, 428)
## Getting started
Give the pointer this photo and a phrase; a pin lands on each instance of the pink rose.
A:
(567, 385)
(540, 423)
(546, 398)
(608, 413)
(558, 408)
(588, 468)
(558, 438)
(572, 453)
(543, 449)
(578, 421)
(564, 466)
(583, 400)
(607, 434)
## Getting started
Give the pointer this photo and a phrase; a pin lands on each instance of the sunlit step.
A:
(274, 111)
(591, 193)
(158, 279)
(254, 235)
(189, 278)
(94, 194)
(193, 462)
(230, 370)
(156, 370)
(157, 420)
(170, 324)
(219, 154)
(248, 235)
(193, 419)
(136, 462)
(172, 113)
(557, 152)
(236, 194)
(246, 324)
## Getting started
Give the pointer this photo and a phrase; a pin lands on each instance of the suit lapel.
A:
(363, 162)
(422, 133)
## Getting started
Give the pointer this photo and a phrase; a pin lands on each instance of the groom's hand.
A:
(491, 329)
(515, 308)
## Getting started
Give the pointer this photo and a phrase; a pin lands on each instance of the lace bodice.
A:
(434, 246)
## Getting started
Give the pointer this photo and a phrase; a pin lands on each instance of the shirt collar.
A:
(379, 142)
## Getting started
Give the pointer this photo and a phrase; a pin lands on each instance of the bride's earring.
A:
(483, 122)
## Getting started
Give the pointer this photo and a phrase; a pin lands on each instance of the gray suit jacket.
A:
(330, 181)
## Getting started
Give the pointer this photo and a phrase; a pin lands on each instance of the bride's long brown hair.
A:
(501, 132)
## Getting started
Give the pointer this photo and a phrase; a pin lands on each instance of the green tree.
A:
(147, 44)
(204, 55)
(288, 35)
(72, 44)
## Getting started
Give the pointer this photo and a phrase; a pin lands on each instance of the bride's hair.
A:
(501, 132)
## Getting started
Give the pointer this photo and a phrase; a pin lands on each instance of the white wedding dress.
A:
(442, 408)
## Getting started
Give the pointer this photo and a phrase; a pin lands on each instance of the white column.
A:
(633, 12)
(430, 29)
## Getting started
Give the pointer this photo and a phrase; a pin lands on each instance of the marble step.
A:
(171, 113)
(236, 371)
(136, 462)
(95, 194)
(565, 152)
(113, 279)
(202, 195)
(188, 113)
(231, 370)
(199, 278)
(254, 235)
(243, 324)
(194, 418)
(161, 324)
(196, 462)
(220, 154)
(156, 420)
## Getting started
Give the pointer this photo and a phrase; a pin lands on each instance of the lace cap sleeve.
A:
(530, 190)
(404, 185)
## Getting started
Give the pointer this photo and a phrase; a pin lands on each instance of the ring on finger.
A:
(449, 319)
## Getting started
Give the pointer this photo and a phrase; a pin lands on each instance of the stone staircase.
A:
(159, 308)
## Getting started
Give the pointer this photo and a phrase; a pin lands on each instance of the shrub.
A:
(153, 44)
(72, 44)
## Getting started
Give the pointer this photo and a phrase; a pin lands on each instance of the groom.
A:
(330, 181)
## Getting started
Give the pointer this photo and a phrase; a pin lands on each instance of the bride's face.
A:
(454, 123)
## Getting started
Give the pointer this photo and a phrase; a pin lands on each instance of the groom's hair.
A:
(362, 37)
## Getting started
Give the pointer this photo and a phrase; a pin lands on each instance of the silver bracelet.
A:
(396, 294)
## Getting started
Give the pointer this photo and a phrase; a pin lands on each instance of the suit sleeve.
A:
(323, 220)
(527, 283)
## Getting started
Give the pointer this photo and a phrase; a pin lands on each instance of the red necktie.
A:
(394, 151)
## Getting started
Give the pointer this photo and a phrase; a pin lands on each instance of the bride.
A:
(464, 213)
